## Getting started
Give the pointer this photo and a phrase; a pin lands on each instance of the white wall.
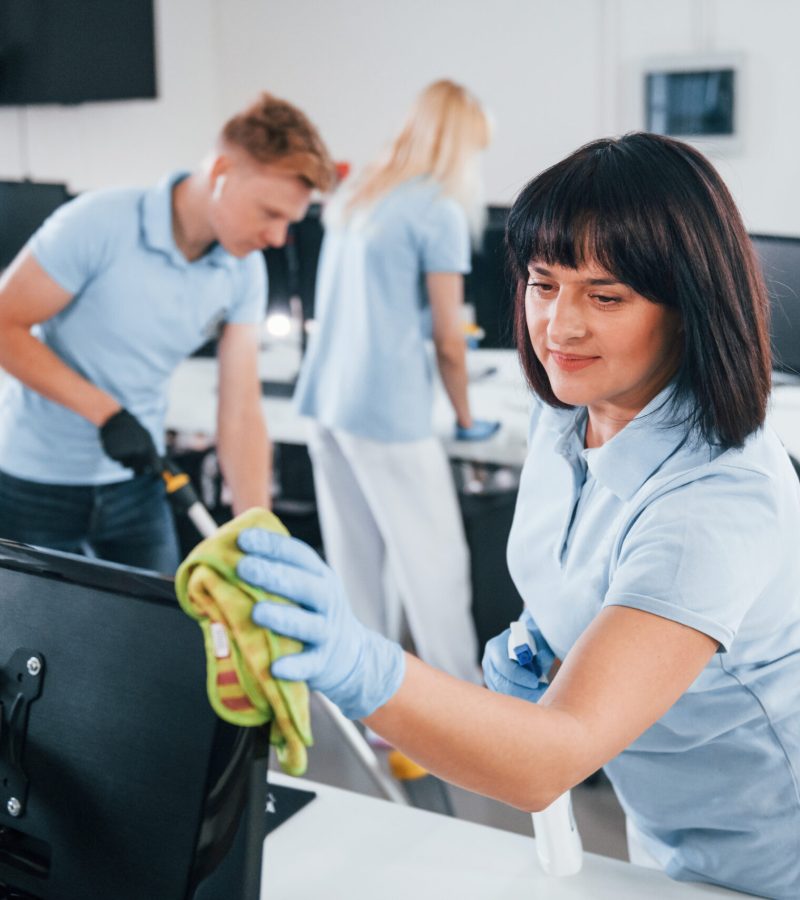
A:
(554, 73)
(764, 174)
(356, 66)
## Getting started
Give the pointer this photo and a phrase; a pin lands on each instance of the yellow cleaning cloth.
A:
(238, 653)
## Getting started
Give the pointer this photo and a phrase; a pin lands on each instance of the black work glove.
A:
(129, 443)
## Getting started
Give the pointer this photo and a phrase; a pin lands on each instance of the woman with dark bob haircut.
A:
(653, 541)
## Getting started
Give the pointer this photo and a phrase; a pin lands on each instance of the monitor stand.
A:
(283, 802)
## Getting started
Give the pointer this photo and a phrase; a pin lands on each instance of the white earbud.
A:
(219, 184)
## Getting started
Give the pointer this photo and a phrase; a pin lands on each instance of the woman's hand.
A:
(506, 676)
(358, 669)
(479, 430)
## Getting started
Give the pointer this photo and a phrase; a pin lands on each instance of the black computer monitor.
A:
(24, 205)
(292, 268)
(780, 263)
(293, 272)
(488, 286)
(116, 778)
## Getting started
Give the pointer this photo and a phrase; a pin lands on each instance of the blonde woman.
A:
(395, 251)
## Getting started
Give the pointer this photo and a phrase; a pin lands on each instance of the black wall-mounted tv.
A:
(74, 51)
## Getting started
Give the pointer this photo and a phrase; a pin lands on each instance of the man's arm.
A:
(446, 296)
(245, 452)
(28, 295)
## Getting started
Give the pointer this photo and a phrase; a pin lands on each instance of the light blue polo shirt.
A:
(139, 308)
(710, 539)
(367, 370)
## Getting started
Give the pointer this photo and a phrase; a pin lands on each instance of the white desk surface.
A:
(193, 403)
(503, 396)
(347, 845)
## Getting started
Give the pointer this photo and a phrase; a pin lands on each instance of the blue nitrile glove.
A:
(480, 430)
(505, 676)
(358, 669)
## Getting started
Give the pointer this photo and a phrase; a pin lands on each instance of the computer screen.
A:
(24, 205)
(691, 102)
(780, 263)
(108, 745)
(488, 286)
(292, 268)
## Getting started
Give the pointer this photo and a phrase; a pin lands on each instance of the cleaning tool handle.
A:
(183, 497)
(201, 519)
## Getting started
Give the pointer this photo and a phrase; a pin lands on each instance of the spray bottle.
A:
(558, 841)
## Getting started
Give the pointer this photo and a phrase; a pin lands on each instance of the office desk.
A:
(502, 395)
(344, 844)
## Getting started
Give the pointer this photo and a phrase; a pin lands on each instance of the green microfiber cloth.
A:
(238, 653)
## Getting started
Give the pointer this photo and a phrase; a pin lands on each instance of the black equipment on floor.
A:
(293, 501)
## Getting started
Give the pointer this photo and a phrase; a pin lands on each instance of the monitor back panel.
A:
(25, 205)
(780, 263)
(118, 742)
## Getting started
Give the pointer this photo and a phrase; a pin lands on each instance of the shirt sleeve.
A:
(73, 243)
(702, 553)
(249, 305)
(445, 238)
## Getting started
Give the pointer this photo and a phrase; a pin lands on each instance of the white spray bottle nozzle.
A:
(520, 648)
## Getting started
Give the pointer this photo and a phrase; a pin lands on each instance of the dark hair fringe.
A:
(655, 213)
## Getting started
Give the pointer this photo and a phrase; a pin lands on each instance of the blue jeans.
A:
(127, 522)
